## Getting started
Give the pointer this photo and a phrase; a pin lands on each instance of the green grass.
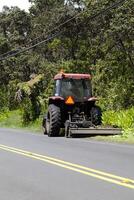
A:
(13, 119)
(123, 119)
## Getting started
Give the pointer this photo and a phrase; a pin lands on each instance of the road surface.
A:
(35, 167)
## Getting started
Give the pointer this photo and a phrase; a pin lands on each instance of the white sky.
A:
(23, 4)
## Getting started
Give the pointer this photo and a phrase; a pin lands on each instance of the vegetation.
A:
(102, 46)
(122, 118)
(13, 119)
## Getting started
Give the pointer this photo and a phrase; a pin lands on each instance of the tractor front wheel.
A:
(96, 115)
(44, 126)
(53, 120)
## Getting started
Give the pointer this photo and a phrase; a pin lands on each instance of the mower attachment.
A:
(93, 131)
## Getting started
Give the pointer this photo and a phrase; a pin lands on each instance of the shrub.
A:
(123, 119)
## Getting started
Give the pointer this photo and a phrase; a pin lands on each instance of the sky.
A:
(23, 4)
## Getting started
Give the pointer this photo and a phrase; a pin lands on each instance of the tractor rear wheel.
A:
(96, 115)
(53, 120)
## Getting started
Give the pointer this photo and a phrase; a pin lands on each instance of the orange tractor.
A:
(74, 108)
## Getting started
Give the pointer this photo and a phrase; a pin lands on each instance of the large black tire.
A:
(96, 115)
(53, 121)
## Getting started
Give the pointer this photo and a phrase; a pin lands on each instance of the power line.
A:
(28, 48)
(57, 27)
(48, 32)
(19, 51)
(78, 14)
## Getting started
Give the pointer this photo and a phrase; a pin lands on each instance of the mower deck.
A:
(94, 131)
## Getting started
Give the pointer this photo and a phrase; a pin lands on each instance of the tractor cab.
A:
(78, 86)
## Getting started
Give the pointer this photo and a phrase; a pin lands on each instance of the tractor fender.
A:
(54, 99)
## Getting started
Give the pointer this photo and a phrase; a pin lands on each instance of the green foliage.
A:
(13, 119)
(3, 99)
(12, 88)
(3, 115)
(102, 46)
(123, 119)
(4, 46)
(28, 96)
(26, 111)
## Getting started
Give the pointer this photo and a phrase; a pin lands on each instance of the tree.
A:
(91, 35)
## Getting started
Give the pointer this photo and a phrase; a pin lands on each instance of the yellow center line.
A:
(126, 182)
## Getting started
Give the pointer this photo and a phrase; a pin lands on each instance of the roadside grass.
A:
(123, 119)
(12, 119)
(116, 138)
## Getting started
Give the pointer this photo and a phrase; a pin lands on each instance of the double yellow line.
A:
(129, 183)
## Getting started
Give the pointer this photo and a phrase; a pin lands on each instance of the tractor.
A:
(73, 107)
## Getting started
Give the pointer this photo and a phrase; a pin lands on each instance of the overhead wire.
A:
(48, 32)
(28, 48)
(22, 49)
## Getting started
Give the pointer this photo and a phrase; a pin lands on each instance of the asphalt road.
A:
(35, 167)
